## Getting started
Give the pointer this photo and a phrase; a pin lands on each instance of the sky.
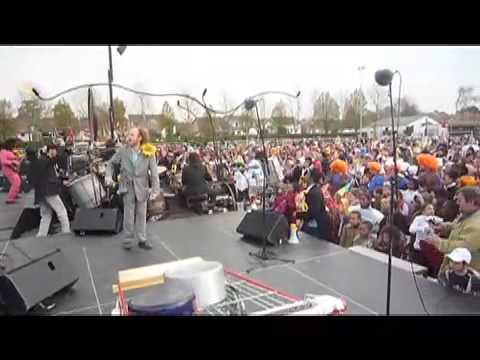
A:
(431, 74)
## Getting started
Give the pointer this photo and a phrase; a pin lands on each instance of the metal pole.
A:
(110, 81)
(361, 68)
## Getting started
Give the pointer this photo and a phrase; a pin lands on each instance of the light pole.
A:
(360, 69)
(121, 50)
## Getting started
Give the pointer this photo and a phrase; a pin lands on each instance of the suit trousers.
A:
(134, 217)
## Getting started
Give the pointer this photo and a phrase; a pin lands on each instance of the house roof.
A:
(403, 121)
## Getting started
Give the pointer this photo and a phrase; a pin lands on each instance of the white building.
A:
(415, 126)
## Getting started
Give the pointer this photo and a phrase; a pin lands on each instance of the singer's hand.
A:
(153, 195)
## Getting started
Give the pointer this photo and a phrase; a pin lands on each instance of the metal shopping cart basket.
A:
(246, 296)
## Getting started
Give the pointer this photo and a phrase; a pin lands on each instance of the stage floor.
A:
(321, 268)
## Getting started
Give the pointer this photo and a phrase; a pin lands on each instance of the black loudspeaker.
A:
(97, 220)
(26, 286)
(275, 230)
(29, 220)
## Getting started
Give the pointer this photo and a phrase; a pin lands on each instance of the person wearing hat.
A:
(458, 275)
(378, 179)
(465, 230)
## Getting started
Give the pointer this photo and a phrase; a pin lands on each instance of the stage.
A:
(321, 268)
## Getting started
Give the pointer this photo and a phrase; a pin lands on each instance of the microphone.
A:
(204, 92)
(121, 49)
(35, 92)
(383, 77)
(178, 103)
(298, 94)
(249, 104)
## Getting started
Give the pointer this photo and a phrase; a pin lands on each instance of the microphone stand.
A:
(264, 254)
(393, 198)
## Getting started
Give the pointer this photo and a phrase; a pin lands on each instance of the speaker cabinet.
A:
(274, 230)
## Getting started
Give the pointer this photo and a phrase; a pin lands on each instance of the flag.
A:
(347, 188)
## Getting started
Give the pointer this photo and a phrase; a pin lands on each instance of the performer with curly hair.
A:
(138, 168)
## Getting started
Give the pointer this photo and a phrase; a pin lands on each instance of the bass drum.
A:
(87, 191)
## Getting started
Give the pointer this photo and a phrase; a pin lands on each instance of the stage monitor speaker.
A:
(97, 220)
(275, 229)
(28, 285)
(29, 220)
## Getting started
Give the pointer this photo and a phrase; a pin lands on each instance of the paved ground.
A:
(320, 268)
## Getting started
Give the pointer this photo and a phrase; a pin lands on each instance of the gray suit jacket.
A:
(135, 176)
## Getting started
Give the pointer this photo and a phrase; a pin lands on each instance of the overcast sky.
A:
(431, 75)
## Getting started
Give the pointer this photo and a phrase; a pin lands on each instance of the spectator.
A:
(458, 275)
(317, 221)
(280, 204)
(365, 236)
(383, 241)
(241, 184)
(351, 230)
(465, 230)
(367, 212)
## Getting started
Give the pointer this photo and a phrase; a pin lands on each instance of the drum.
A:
(87, 191)
(173, 298)
(206, 279)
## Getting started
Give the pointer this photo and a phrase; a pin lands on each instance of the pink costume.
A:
(9, 159)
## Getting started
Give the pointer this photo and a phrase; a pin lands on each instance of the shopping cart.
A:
(246, 296)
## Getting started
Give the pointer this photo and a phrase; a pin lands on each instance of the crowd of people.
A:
(342, 190)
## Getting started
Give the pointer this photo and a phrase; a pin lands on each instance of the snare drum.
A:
(87, 191)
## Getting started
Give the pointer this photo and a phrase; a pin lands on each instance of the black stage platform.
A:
(321, 268)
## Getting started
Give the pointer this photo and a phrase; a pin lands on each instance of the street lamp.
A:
(360, 69)
(121, 50)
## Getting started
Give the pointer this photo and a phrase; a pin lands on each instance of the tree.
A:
(166, 120)
(279, 110)
(355, 104)
(465, 98)
(325, 110)
(247, 121)
(120, 115)
(408, 107)
(342, 97)
(379, 98)
(63, 116)
(30, 113)
(471, 109)
(7, 127)
(280, 118)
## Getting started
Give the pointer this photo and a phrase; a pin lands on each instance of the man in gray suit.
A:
(136, 169)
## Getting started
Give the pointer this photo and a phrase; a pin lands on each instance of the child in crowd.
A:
(458, 275)
(398, 244)
(280, 204)
(300, 203)
(365, 236)
(241, 185)
(351, 230)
